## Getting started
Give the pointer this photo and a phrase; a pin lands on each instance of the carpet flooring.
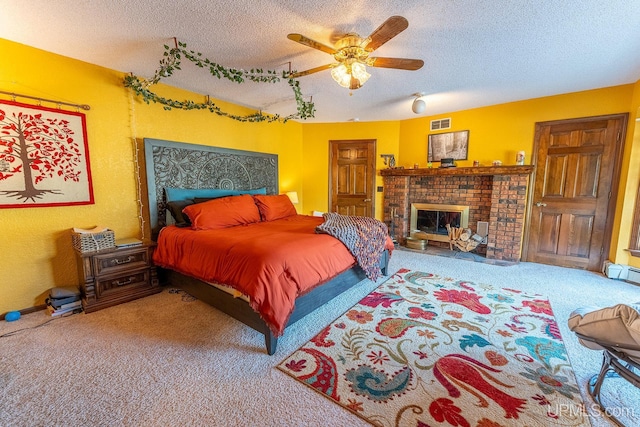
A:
(170, 360)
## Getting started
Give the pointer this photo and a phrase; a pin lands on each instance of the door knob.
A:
(538, 204)
(366, 200)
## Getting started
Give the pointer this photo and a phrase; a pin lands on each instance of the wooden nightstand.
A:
(111, 277)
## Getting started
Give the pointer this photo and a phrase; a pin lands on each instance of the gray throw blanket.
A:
(364, 237)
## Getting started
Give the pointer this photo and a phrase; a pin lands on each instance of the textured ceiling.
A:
(476, 53)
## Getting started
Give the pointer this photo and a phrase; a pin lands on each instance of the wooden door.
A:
(572, 203)
(352, 177)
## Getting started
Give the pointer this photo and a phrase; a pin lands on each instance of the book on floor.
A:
(73, 304)
(59, 302)
(75, 307)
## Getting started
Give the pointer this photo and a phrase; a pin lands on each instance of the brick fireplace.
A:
(494, 194)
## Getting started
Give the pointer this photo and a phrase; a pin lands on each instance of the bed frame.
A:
(180, 165)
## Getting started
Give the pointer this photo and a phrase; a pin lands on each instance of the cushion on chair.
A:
(618, 325)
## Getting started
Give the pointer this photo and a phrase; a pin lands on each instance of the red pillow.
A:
(274, 207)
(223, 212)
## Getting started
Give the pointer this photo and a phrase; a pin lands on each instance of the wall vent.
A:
(441, 124)
(483, 228)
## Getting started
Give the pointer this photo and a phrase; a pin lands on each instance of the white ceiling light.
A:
(418, 105)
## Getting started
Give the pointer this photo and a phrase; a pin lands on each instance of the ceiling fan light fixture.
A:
(418, 105)
(343, 74)
(359, 72)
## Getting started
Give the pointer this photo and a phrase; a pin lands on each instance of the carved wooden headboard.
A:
(179, 165)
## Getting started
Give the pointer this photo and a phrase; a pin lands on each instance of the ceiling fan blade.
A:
(311, 43)
(401, 63)
(385, 32)
(312, 70)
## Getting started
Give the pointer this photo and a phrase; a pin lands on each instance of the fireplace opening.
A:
(436, 222)
(430, 220)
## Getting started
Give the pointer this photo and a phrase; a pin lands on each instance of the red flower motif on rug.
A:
(445, 410)
(457, 370)
(419, 313)
(320, 340)
(427, 351)
(539, 306)
(495, 358)
(464, 298)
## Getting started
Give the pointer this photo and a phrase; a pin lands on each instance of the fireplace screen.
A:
(432, 219)
(436, 221)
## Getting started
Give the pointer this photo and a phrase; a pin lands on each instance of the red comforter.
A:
(271, 262)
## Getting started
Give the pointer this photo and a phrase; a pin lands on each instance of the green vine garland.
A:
(171, 62)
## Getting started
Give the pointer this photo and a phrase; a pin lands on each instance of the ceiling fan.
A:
(352, 54)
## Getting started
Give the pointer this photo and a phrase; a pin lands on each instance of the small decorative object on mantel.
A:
(389, 160)
(447, 163)
(520, 158)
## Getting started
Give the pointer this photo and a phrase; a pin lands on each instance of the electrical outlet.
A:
(380, 189)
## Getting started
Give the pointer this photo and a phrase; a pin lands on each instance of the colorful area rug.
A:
(423, 350)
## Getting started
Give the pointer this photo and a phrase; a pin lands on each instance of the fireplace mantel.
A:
(456, 171)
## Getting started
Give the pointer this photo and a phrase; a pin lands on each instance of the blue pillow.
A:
(209, 193)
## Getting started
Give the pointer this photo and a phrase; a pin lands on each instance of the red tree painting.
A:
(43, 157)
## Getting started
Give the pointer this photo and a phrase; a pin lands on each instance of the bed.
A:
(178, 172)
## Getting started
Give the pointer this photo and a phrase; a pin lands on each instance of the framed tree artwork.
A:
(450, 145)
(44, 157)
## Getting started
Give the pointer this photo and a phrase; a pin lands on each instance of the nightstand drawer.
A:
(115, 262)
(125, 283)
(112, 277)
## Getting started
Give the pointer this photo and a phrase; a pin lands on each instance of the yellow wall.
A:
(36, 242)
(628, 187)
(316, 156)
(498, 132)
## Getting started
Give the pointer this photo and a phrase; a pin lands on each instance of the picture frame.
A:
(449, 145)
(44, 157)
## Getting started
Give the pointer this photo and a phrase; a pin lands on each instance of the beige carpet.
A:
(168, 360)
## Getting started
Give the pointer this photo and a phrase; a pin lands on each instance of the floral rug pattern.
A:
(425, 351)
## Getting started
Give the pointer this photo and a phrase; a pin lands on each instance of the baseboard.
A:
(28, 310)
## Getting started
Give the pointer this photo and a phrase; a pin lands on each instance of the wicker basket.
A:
(90, 242)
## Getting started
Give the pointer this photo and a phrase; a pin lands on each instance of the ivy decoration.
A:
(171, 62)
